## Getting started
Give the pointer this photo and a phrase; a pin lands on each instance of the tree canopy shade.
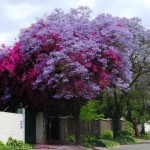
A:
(69, 56)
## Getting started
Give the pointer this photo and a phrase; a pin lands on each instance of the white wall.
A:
(147, 127)
(11, 125)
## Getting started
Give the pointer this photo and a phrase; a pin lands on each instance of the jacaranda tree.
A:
(68, 56)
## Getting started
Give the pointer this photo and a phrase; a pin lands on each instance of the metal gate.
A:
(30, 127)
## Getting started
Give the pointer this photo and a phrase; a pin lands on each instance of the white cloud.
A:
(128, 12)
(21, 11)
(145, 3)
(18, 14)
(89, 3)
(8, 38)
(2, 37)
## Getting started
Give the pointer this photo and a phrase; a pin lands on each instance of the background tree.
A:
(136, 103)
(140, 64)
(90, 111)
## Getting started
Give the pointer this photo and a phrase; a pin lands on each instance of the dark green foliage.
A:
(107, 143)
(106, 139)
(145, 136)
(90, 138)
(14, 144)
(90, 141)
(124, 133)
(107, 135)
(128, 129)
(71, 138)
(125, 139)
(126, 136)
(136, 104)
(1, 145)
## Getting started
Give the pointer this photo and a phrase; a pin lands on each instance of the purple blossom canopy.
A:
(77, 57)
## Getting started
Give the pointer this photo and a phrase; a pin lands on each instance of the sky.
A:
(19, 14)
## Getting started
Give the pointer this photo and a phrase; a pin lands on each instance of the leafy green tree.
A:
(90, 111)
(136, 103)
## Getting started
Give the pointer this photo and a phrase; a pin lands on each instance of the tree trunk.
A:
(77, 130)
(77, 107)
(143, 129)
(116, 123)
(135, 127)
(116, 116)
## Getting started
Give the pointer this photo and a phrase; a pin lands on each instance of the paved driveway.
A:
(138, 146)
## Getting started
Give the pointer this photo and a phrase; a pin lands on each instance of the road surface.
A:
(145, 145)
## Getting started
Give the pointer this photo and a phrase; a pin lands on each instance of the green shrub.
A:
(89, 141)
(125, 133)
(107, 135)
(127, 139)
(105, 140)
(1, 145)
(145, 136)
(107, 143)
(87, 144)
(129, 129)
(90, 138)
(71, 138)
(13, 144)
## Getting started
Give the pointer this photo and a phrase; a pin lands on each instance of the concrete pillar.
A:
(63, 128)
(40, 128)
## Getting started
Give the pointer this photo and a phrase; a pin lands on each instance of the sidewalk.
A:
(64, 147)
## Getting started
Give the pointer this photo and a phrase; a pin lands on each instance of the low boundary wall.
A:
(11, 125)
